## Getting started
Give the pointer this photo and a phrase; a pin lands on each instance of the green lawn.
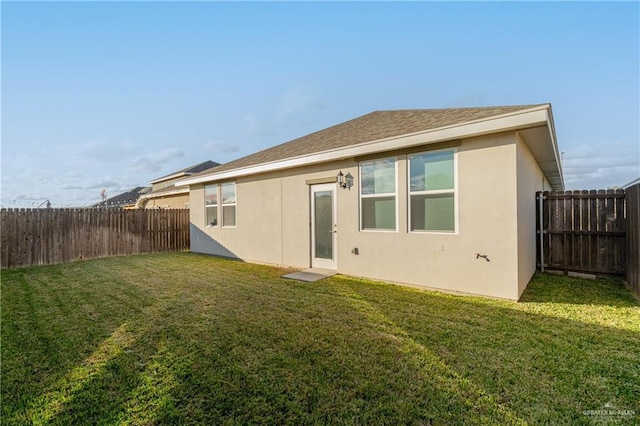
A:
(183, 338)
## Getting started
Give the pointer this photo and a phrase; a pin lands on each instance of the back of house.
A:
(435, 198)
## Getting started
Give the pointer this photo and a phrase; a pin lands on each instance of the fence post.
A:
(540, 198)
(45, 236)
(633, 237)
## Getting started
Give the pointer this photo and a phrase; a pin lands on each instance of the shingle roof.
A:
(124, 199)
(370, 127)
(197, 168)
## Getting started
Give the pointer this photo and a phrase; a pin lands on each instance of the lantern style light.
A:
(344, 181)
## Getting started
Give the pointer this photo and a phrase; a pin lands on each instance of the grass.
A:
(183, 338)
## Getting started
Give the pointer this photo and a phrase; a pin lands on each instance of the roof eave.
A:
(531, 117)
(163, 193)
(171, 176)
(554, 143)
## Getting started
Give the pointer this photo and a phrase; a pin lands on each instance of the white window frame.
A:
(387, 194)
(223, 205)
(453, 191)
(206, 207)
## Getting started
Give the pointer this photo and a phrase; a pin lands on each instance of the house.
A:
(164, 195)
(435, 198)
(630, 184)
(126, 200)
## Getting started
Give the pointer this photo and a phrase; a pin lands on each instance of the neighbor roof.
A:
(197, 168)
(126, 198)
(369, 128)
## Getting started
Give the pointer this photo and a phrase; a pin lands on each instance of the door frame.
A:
(318, 262)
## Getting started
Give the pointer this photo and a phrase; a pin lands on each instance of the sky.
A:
(111, 95)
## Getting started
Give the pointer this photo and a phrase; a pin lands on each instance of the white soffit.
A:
(533, 117)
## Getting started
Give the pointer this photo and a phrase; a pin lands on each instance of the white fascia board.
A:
(162, 194)
(173, 176)
(522, 119)
(554, 143)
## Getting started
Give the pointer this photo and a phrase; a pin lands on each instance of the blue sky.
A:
(110, 95)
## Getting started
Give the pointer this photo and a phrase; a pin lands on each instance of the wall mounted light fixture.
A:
(345, 181)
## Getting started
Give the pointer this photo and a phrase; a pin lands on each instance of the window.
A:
(228, 191)
(432, 191)
(378, 194)
(211, 204)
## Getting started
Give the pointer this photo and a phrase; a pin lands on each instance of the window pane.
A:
(379, 213)
(323, 221)
(212, 216)
(378, 177)
(228, 215)
(228, 193)
(211, 195)
(432, 212)
(431, 171)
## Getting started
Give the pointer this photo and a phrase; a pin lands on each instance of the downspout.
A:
(142, 202)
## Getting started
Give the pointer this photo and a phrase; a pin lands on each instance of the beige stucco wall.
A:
(530, 180)
(273, 224)
(178, 201)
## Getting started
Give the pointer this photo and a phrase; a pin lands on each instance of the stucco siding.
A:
(179, 201)
(530, 180)
(486, 225)
(257, 235)
(273, 224)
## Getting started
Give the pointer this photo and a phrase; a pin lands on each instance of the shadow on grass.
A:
(224, 347)
(541, 368)
(548, 288)
(133, 386)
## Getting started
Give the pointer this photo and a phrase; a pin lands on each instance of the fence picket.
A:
(585, 231)
(44, 236)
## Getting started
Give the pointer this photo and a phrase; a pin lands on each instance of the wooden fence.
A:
(583, 231)
(45, 236)
(633, 237)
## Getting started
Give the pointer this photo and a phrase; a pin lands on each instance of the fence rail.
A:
(45, 236)
(584, 231)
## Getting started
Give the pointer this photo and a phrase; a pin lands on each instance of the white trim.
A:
(144, 198)
(234, 204)
(552, 135)
(319, 262)
(532, 117)
(453, 191)
(210, 206)
(385, 194)
(171, 176)
(150, 195)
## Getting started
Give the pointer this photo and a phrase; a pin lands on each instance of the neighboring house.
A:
(441, 198)
(126, 200)
(630, 184)
(164, 195)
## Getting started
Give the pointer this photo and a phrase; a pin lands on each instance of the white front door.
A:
(324, 227)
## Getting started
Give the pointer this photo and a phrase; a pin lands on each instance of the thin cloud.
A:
(601, 166)
(74, 174)
(99, 184)
(32, 196)
(253, 127)
(298, 106)
(154, 161)
(221, 147)
(298, 101)
(96, 152)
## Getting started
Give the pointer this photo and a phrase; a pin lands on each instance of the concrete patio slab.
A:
(310, 275)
